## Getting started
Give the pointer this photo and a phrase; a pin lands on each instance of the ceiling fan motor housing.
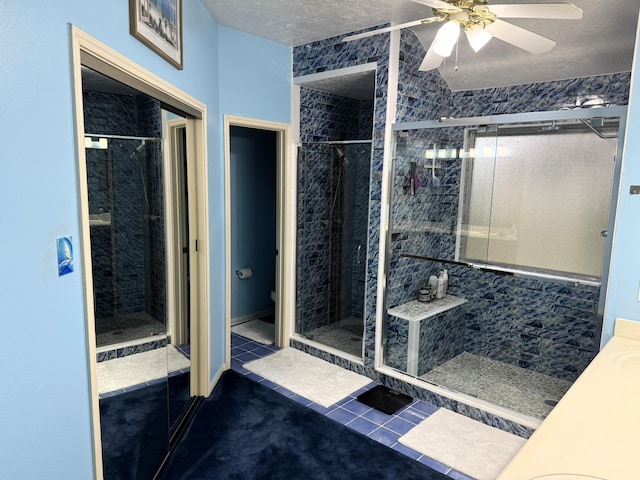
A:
(469, 13)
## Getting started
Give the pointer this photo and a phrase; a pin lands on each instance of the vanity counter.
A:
(594, 431)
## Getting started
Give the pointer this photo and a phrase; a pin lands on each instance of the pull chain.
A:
(455, 68)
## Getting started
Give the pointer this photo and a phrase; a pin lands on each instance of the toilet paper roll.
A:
(244, 273)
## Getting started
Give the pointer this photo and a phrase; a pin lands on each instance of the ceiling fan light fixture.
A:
(478, 37)
(446, 38)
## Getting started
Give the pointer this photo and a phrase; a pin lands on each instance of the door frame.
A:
(285, 225)
(88, 51)
(175, 208)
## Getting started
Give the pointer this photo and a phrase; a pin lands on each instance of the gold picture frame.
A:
(158, 24)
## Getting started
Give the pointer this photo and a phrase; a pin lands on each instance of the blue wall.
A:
(624, 279)
(254, 82)
(253, 219)
(46, 407)
(255, 77)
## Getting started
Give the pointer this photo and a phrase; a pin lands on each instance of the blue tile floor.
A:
(379, 426)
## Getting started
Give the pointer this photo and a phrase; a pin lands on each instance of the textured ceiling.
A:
(296, 22)
(601, 43)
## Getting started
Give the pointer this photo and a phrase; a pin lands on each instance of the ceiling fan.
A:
(481, 22)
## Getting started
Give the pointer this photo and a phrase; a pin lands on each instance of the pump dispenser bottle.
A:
(446, 281)
(440, 288)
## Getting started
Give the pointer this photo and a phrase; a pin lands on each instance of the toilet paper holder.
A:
(244, 273)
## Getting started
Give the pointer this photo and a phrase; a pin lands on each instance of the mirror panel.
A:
(143, 368)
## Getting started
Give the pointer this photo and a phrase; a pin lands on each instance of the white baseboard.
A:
(251, 316)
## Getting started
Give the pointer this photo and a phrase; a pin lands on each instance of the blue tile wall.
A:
(442, 337)
(110, 114)
(120, 352)
(539, 97)
(126, 180)
(397, 348)
(328, 117)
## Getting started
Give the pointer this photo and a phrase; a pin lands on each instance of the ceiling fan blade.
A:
(524, 39)
(437, 4)
(371, 33)
(561, 11)
(431, 60)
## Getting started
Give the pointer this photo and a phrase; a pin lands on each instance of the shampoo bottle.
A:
(440, 288)
(433, 285)
(446, 281)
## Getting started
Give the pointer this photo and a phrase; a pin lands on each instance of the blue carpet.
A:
(178, 386)
(247, 431)
(135, 437)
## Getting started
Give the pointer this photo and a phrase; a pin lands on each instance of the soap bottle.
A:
(446, 282)
(440, 287)
(433, 285)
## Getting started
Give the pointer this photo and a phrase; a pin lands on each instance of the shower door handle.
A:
(358, 255)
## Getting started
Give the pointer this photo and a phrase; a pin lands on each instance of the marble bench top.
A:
(414, 311)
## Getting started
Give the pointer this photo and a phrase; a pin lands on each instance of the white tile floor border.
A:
(139, 368)
(256, 330)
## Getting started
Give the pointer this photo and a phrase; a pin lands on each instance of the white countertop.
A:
(594, 431)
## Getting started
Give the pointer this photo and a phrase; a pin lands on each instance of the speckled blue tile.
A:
(341, 415)
(384, 436)
(356, 407)
(399, 425)
(362, 425)
(437, 466)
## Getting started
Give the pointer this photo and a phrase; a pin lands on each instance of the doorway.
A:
(258, 233)
(253, 232)
(127, 190)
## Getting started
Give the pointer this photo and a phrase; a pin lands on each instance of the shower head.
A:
(138, 148)
(341, 155)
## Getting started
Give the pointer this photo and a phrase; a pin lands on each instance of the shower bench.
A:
(427, 323)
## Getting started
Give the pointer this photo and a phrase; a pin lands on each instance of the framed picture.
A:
(158, 24)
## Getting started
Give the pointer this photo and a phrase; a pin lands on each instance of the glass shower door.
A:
(126, 216)
(333, 203)
(517, 212)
